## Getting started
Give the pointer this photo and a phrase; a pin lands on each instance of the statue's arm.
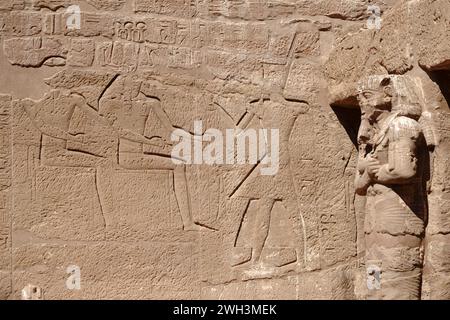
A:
(362, 178)
(362, 182)
(402, 164)
(402, 153)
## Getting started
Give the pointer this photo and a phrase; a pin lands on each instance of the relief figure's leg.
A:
(262, 227)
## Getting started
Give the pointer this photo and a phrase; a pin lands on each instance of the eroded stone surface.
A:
(87, 183)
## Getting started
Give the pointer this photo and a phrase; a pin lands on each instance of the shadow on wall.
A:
(442, 79)
(349, 117)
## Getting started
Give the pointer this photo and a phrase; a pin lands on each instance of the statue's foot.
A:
(196, 227)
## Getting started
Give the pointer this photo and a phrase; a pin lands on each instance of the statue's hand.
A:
(362, 164)
(373, 167)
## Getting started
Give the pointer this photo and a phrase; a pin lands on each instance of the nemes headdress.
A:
(406, 98)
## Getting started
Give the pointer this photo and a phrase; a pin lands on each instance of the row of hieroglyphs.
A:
(210, 9)
(248, 9)
(5, 169)
(32, 37)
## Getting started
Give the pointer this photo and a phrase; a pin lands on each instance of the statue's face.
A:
(373, 103)
(371, 99)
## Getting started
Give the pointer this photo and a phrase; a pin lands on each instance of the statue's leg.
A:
(393, 239)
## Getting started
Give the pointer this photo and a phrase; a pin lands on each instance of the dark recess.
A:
(442, 79)
(350, 119)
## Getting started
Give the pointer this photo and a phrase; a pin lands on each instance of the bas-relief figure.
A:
(391, 173)
(91, 159)
(62, 119)
(267, 190)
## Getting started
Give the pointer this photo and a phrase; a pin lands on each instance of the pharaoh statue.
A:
(391, 173)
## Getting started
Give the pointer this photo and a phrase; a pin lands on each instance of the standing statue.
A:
(391, 174)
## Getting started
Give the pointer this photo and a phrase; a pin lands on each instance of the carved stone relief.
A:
(122, 124)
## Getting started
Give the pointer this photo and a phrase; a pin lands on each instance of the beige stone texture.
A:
(92, 205)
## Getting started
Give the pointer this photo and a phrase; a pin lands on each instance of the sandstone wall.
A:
(74, 190)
